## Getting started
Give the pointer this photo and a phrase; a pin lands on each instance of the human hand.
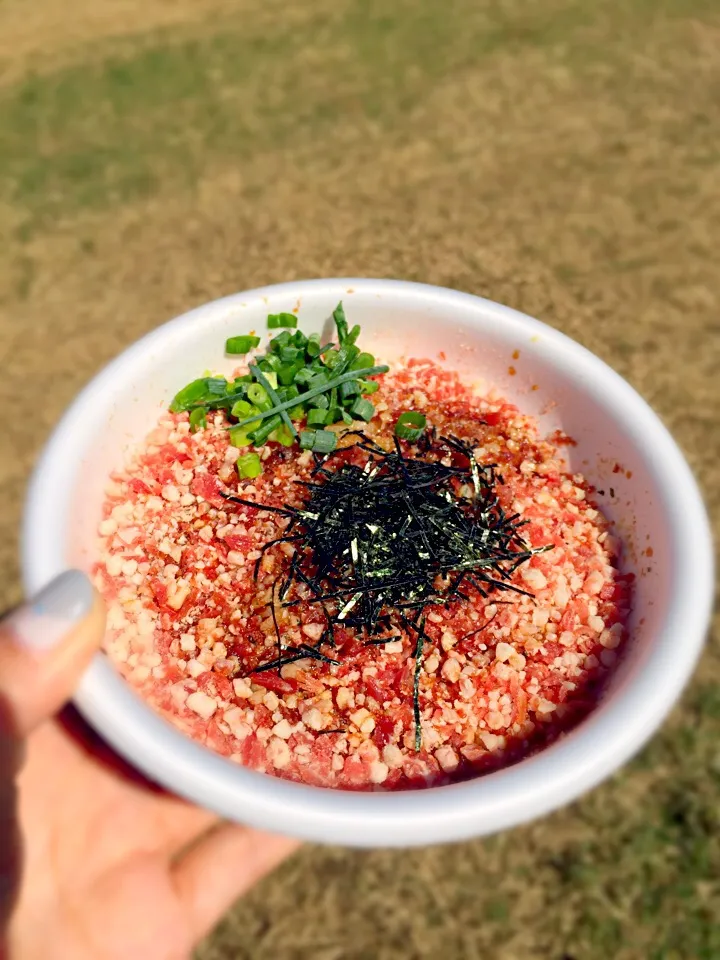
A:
(95, 862)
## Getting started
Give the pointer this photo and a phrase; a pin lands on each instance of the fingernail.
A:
(43, 622)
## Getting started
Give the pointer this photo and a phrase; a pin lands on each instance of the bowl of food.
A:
(385, 564)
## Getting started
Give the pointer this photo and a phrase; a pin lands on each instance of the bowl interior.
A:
(543, 372)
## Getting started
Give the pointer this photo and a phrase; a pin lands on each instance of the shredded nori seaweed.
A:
(385, 535)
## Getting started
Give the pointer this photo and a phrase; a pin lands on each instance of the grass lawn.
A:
(557, 155)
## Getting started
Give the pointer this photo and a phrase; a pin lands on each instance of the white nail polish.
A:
(43, 622)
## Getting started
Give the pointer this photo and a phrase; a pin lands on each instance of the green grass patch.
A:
(115, 130)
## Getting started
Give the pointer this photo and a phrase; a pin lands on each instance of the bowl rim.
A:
(496, 801)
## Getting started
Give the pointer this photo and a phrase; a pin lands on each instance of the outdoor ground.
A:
(561, 156)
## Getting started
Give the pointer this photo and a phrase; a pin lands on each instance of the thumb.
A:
(45, 645)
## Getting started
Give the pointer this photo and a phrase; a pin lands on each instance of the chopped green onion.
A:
(303, 376)
(289, 354)
(284, 339)
(351, 388)
(362, 409)
(340, 322)
(198, 419)
(317, 417)
(260, 435)
(270, 390)
(241, 344)
(325, 441)
(307, 439)
(216, 402)
(370, 372)
(362, 360)
(318, 380)
(189, 395)
(218, 386)
(293, 360)
(249, 466)
(289, 392)
(282, 436)
(270, 362)
(258, 395)
(276, 320)
(287, 373)
(410, 425)
(345, 356)
(240, 437)
(241, 408)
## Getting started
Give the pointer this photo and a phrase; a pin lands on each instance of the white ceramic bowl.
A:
(653, 499)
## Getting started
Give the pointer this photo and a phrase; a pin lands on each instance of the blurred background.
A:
(560, 156)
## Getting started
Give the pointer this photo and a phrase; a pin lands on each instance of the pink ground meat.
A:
(188, 624)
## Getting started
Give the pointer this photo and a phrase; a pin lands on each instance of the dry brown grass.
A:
(555, 156)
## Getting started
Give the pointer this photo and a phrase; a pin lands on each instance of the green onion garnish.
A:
(368, 386)
(276, 320)
(271, 363)
(325, 441)
(243, 409)
(319, 441)
(317, 417)
(281, 341)
(240, 437)
(241, 344)
(318, 380)
(340, 322)
(303, 376)
(289, 354)
(362, 409)
(351, 375)
(217, 386)
(249, 466)
(290, 392)
(351, 388)
(296, 379)
(362, 360)
(258, 395)
(410, 425)
(287, 373)
(198, 419)
(269, 386)
(282, 436)
(189, 395)
(261, 433)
